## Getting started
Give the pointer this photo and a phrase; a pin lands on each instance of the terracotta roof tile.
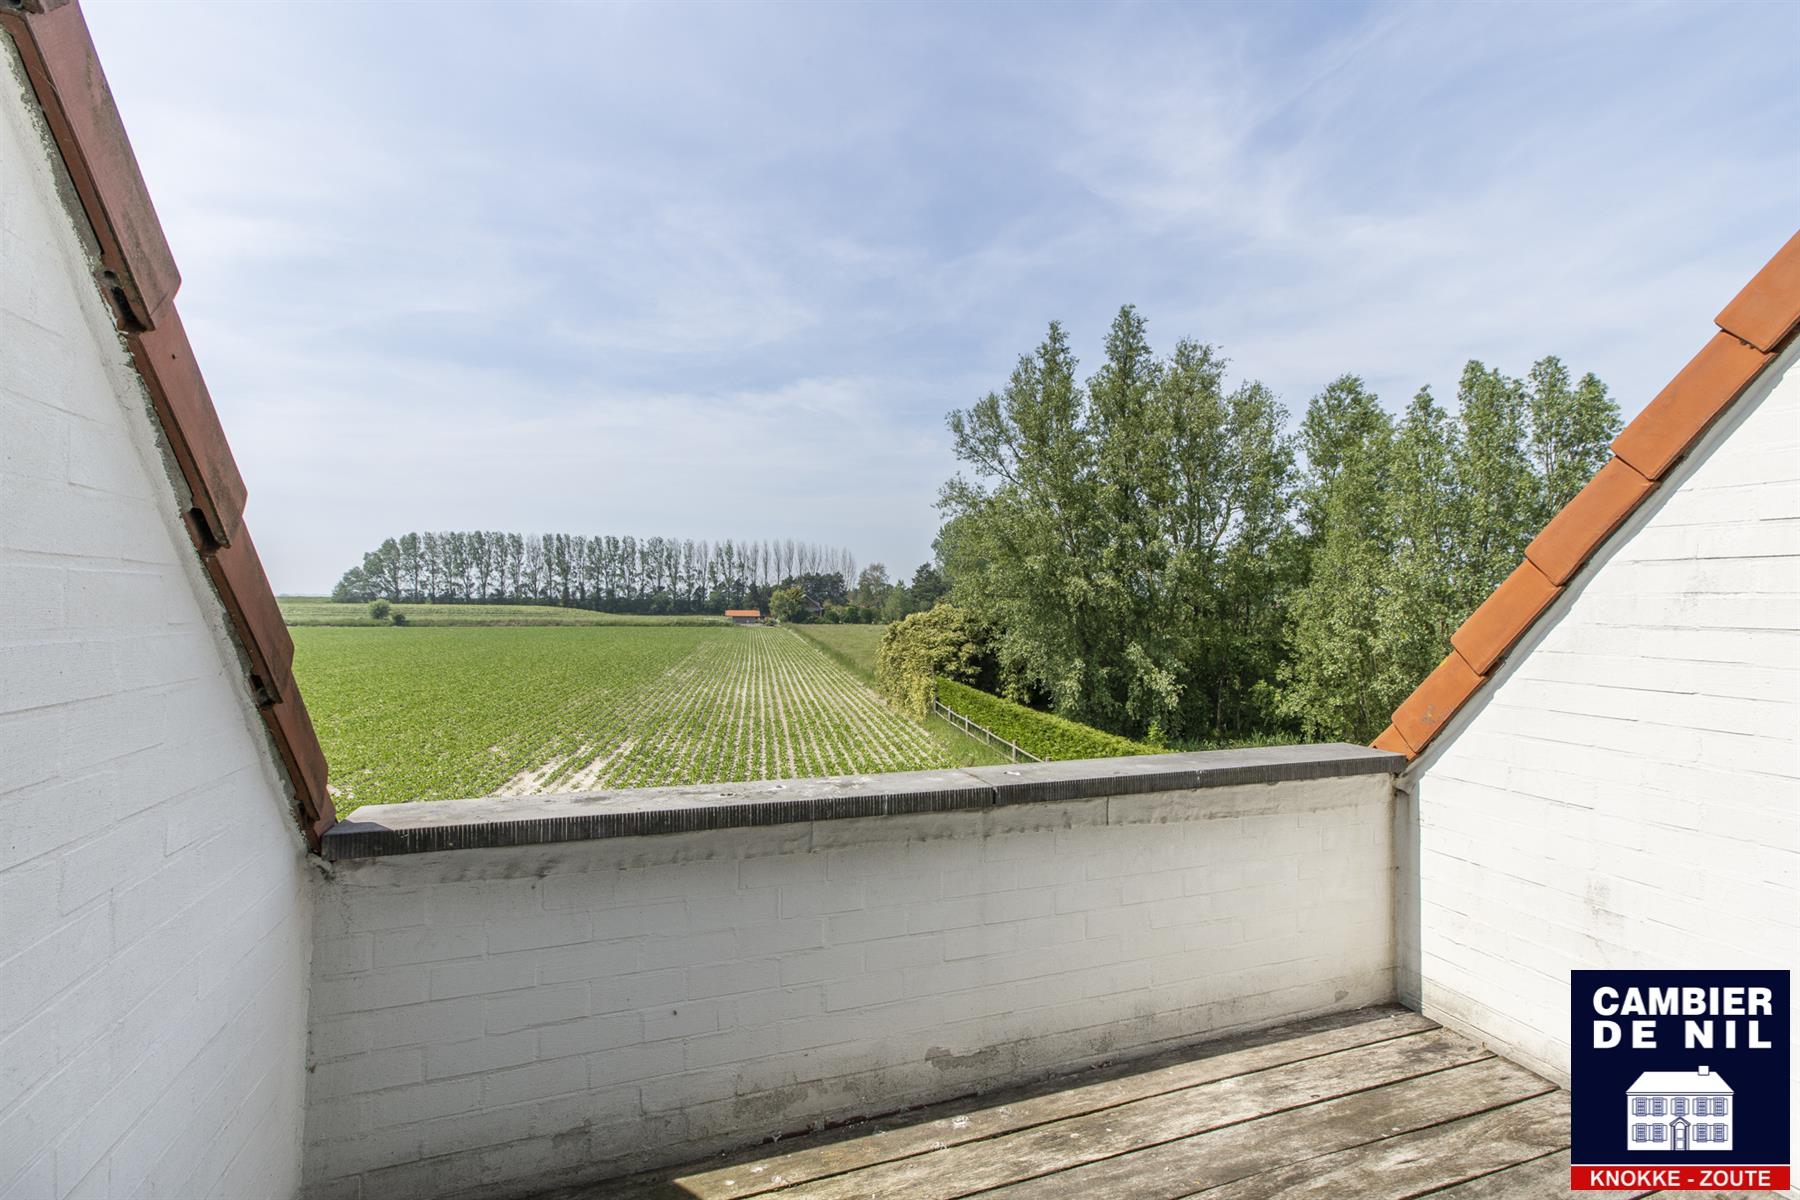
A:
(1754, 326)
(1587, 520)
(185, 408)
(1768, 309)
(1436, 700)
(1669, 424)
(1503, 617)
(238, 574)
(137, 276)
(1391, 741)
(303, 758)
(136, 264)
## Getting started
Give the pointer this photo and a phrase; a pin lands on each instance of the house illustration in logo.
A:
(1678, 1110)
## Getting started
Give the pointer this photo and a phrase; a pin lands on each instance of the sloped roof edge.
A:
(1753, 328)
(136, 275)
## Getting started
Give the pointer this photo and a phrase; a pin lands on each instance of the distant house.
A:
(744, 616)
(1678, 1110)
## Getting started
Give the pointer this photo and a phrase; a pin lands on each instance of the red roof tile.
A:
(1587, 520)
(1435, 701)
(237, 573)
(1703, 389)
(59, 58)
(136, 274)
(1764, 316)
(1391, 741)
(185, 408)
(1503, 617)
(1768, 309)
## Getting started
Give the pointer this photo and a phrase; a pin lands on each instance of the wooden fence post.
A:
(1013, 749)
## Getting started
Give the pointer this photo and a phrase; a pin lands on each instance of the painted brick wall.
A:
(1627, 792)
(153, 930)
(504, 1019)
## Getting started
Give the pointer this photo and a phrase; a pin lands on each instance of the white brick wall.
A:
(153, 929)
(1627, 792)
(498, 1020)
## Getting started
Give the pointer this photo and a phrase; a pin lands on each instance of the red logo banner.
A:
(1732, 1178)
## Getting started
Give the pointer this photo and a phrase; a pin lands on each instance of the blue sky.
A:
(721, 271)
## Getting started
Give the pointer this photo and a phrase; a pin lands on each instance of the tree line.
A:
(1150, 551)
(874, 600)
(606, 573)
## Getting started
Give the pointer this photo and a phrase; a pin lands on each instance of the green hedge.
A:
(1043, 734)
(944, 642)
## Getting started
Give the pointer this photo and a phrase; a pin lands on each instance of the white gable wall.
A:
(1626, 794)
(154, 936)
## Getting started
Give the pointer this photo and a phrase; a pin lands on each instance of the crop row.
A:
(753, 704)
(423, 714)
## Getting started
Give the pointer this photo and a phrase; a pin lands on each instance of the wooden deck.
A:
(1380, 1103)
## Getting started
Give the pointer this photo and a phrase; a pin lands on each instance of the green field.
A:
(443, 713)
(852, 645)
(855, 646)
(319, 610)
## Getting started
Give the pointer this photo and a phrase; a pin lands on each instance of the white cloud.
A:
(715, 272)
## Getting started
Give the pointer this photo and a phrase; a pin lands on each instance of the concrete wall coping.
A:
(378, 831)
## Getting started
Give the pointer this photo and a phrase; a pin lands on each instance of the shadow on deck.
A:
(1377, 1103)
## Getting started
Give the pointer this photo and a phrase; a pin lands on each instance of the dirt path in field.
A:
(748, 704)
(532, 780)
(588, 778)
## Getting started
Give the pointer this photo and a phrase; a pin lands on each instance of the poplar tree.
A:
(1145, 557)
(1500, 495)
(657, 574)
(1419, 605)
(1120, 537)
(1572, 429)
(1023, 533)
(1332, 679)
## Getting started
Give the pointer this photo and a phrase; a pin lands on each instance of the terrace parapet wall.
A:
(510, 995)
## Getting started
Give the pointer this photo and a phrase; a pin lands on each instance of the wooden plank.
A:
(1528, 1181)
(1415, 1163)
(975, 1166)
(1220, 1156)
(974, 1118)
(1547, 1176)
